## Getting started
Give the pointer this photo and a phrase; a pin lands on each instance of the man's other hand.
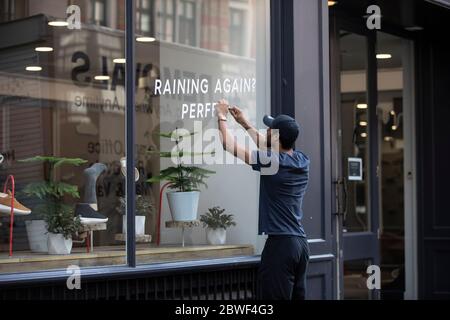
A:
(222, 108)
(239, 116)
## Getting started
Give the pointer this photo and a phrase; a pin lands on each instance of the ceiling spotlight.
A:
(383, 56)
(43, 49)
(363, 123)
(361, 106)
(331, 3)
(101, 78)
(387, 139)
(392, 112)
(364, 135)
(58, 23)
(414, 28)
(119, 60)
(33, 68)
(394, 127)
(145, 39)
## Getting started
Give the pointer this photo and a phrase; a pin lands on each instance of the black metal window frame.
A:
(282, 91)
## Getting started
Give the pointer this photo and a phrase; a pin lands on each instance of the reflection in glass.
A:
(355, 127)
(62, 109)
(391, 93)
(69, 102)
(181, 75)
(355, 280)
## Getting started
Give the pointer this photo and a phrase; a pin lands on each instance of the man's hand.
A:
(222, 108)
(239, 116)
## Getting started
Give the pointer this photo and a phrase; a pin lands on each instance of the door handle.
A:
(341, 196)
(344, 184)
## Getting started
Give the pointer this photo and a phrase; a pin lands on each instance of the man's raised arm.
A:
(228, 141)
(258, 138)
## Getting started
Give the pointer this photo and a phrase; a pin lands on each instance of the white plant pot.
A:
(139, 222)
(216, 236)
(183, 205)
(57, 244)
(37, 235)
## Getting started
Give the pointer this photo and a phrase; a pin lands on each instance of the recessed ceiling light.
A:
(145, 39)
(43, 49)
(392, 112)
(58, 23)
(101, 78)
(364, 135)
(119, 60)
(361, 106)
(384, 56)
(414, 28)
(394, 127)
(33, 68)
(331, 3)
(388, 139)
(363, 123)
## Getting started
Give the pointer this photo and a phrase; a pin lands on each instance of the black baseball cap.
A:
(287, 127)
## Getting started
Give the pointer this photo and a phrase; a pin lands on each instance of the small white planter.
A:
(216, 236)
(37, 235)
(57, 244)
(139, 222)
(183, 205)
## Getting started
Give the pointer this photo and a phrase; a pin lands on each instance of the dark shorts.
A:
(282, 272)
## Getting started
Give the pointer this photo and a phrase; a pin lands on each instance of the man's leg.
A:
(299, 292)
(276, 272)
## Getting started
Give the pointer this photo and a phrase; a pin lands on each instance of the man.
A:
(282, 273)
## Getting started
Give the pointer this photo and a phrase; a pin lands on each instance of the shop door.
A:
(355, 156)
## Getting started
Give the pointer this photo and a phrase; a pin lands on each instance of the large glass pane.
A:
(62, 105)
(354, 129)
(181, 74)
(394, 112)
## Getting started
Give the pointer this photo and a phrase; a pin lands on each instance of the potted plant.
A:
(58, 216)
(184, 180)
(216, 223)
(144, 206)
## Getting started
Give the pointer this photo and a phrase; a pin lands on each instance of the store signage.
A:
(192, 86)
(355, 172)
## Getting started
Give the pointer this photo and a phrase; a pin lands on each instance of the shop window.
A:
(181, 76)
(166, 19)
(145, 17)
(99, 12)
(237, 31)
(187, 22)
(62, 104)
(12, 9)
(62, 108)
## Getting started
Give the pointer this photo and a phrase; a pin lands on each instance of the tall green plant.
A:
(58, 215)
(181, 177)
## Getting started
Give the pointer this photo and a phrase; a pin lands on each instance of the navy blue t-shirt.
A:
(283, 183)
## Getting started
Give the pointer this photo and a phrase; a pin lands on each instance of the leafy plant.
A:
(181, 177)
(143, 205)
(58, 215)
(215, 218)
